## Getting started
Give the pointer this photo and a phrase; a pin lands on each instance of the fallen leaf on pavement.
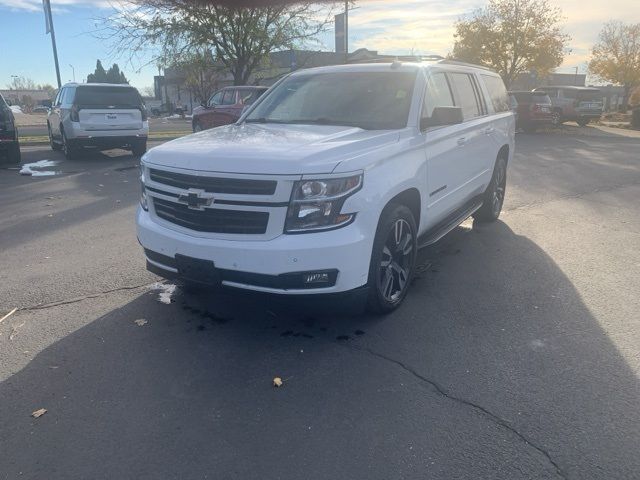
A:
(277, 382)
(14, 330)
(39, 412)
(140, 322)
(8, 314)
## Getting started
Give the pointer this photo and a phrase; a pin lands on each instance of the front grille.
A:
(236, 186)
(212, 220)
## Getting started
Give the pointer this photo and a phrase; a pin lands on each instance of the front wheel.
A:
(556, 119)
(583, 122)
(54, 145)
(393, 259)
(494, 194)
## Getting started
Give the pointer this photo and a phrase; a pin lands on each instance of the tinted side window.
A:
(466, 95)
(229, 97)
(438, 94)
(497, 93)
(247, 97)
(59, 96)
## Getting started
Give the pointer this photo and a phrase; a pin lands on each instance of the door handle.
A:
(462, 141)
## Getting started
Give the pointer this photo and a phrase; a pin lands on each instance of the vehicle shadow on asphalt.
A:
(493, 368)
(79, 194)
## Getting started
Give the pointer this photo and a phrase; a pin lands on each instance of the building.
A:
(27, 98)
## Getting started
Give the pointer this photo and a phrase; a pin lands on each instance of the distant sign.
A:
(339, 30)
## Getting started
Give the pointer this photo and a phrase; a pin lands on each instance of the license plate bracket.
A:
(197, 270)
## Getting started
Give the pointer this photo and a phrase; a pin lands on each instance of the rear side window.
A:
(101, 97)
(466, 95)
(229, 97)
(438, 94)
(247, 97)
(497, 93)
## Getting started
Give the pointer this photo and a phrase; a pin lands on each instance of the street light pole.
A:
(49, 20)
(346, 31)
(74, 72)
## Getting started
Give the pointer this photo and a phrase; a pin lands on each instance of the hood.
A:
(269, 148)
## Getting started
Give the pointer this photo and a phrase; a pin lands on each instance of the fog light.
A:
(315, 278)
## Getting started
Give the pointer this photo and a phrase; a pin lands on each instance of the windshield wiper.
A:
(264, 120)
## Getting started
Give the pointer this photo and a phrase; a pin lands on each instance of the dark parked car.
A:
(580, 104)
(534, 110)
(9, 145)
(224, 107)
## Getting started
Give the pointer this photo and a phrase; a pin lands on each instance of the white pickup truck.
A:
(331, 182)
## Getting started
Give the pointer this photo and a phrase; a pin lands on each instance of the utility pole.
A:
(346, 31)
(49, 20)
(74, 72)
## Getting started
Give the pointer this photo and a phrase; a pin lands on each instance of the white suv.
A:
(331, 182)
(100, 115)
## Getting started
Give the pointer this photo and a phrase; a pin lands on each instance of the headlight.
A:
(316, 204)
(143, 191)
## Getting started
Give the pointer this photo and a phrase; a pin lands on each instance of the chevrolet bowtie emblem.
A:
(196, 199)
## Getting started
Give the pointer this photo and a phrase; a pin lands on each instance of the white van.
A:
(331, 182)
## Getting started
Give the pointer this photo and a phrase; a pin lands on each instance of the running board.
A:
(440, 230)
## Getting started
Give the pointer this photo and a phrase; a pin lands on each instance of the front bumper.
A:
(265, 265)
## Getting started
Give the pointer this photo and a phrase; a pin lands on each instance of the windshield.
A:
(369, 100)
(99, 96)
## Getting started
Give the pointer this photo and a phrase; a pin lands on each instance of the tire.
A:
(197, 127)
(393, 259)
(494, 194)
(13, 154)
(556, 118)
(583, 122)
(54, 145)
(139, 149)
(70, 151)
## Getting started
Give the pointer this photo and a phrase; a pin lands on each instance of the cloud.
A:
(36, 5)
(427, 26)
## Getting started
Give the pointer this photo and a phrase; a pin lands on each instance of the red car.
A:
(534, 110)
(224, 107)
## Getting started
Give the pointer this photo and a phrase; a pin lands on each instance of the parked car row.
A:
(555, 105)
(224, 107)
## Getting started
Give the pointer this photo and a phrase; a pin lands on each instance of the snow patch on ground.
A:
(165, 289)
(33, 169)
(15, 109)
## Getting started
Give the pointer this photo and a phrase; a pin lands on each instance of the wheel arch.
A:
(409, 198)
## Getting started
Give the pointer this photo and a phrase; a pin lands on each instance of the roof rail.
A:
(453, 61)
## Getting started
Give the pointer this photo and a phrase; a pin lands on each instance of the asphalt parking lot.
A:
(515, 356)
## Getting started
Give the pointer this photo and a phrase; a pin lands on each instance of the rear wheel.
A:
(13, 154)
(556, 118)
(393, 259)
(139, 149)
(68, 148)
(494, 194)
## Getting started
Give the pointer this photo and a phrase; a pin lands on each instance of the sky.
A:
(388, 26)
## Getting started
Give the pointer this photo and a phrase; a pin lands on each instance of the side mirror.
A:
(442, 116)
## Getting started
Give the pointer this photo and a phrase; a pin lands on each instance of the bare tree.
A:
(238, 38)
(22, 83)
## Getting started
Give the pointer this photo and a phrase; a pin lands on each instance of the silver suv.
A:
(98, 115)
